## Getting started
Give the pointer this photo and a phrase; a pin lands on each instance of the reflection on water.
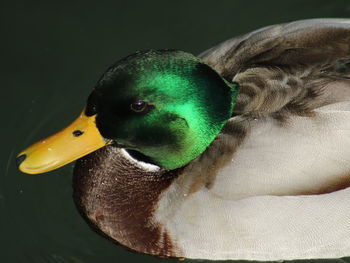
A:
(54, 53)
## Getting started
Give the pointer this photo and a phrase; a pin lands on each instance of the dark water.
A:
(51, 56)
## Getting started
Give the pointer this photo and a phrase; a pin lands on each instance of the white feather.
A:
(146, 166)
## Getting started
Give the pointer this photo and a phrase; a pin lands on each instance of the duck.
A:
(240, 153)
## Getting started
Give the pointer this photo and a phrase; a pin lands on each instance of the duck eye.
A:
(139, 106)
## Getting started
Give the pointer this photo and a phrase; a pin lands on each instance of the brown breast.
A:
(118, 199)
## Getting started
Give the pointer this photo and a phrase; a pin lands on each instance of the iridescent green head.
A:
(165, 105)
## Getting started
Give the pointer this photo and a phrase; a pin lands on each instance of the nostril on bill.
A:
(77, 133)
(20, 159)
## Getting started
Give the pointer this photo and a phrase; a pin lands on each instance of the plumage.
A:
(272, 185)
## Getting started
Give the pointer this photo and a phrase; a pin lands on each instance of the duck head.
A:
(165, 106)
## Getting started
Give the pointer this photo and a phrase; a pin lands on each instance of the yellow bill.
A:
(78, 139)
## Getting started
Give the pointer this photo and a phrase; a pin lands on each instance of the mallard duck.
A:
(240, 153)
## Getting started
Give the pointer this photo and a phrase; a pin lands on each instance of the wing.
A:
(294, 67)
(304, 42)
(291, 126)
